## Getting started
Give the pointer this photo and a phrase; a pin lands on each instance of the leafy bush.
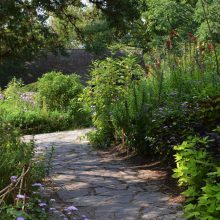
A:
(179, 97)
(100, 138)
(31, 87)
(109, 83)
(13, 89)
(14, 154)
(21, 109)
(131, 117)
(36, 121)
(18, 172)
(57, 90)
(192, 162)
(32, 119)
(209, 202)
(78, 114)
(198, 171)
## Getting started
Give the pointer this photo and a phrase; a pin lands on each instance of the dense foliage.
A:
(156, 111)
(109, 83)
(141, 25)
(198, 170)
(55, 84)
(54, 106)
(16, 19)
(18, 173)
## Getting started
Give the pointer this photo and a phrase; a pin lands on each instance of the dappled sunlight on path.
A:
(100, 185)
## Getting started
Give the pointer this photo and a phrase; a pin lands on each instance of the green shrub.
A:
(131, 117)
(18, 172)
(192, 162)
(152, 118)
(175, 120)
(78, 114)
(109, 83)
(32, 87)
(36, 121)
(13, 154)
(13, 90)
(198, 171)
(181, 98)
(58, 90)
(21, 110)
(209, 202)
(101, 138)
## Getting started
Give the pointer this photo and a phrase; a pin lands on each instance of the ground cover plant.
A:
(198, 171)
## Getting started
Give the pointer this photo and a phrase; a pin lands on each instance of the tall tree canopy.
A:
(28, 26)
(24, 29)
(148, 23)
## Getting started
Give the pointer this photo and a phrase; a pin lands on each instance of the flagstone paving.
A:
(101, 185)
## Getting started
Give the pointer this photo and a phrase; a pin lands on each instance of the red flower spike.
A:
(194, 39)
(158, 63)
(210, 46)
(190, 35)
(168, 44)
(173, 34)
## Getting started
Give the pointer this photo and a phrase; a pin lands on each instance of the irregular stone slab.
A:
(144, 198)
(65, 195)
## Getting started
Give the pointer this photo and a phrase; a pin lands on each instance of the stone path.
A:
(101, 186)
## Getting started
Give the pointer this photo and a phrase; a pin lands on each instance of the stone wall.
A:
(74, 61)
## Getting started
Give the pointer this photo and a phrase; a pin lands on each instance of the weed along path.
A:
(100, 185)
